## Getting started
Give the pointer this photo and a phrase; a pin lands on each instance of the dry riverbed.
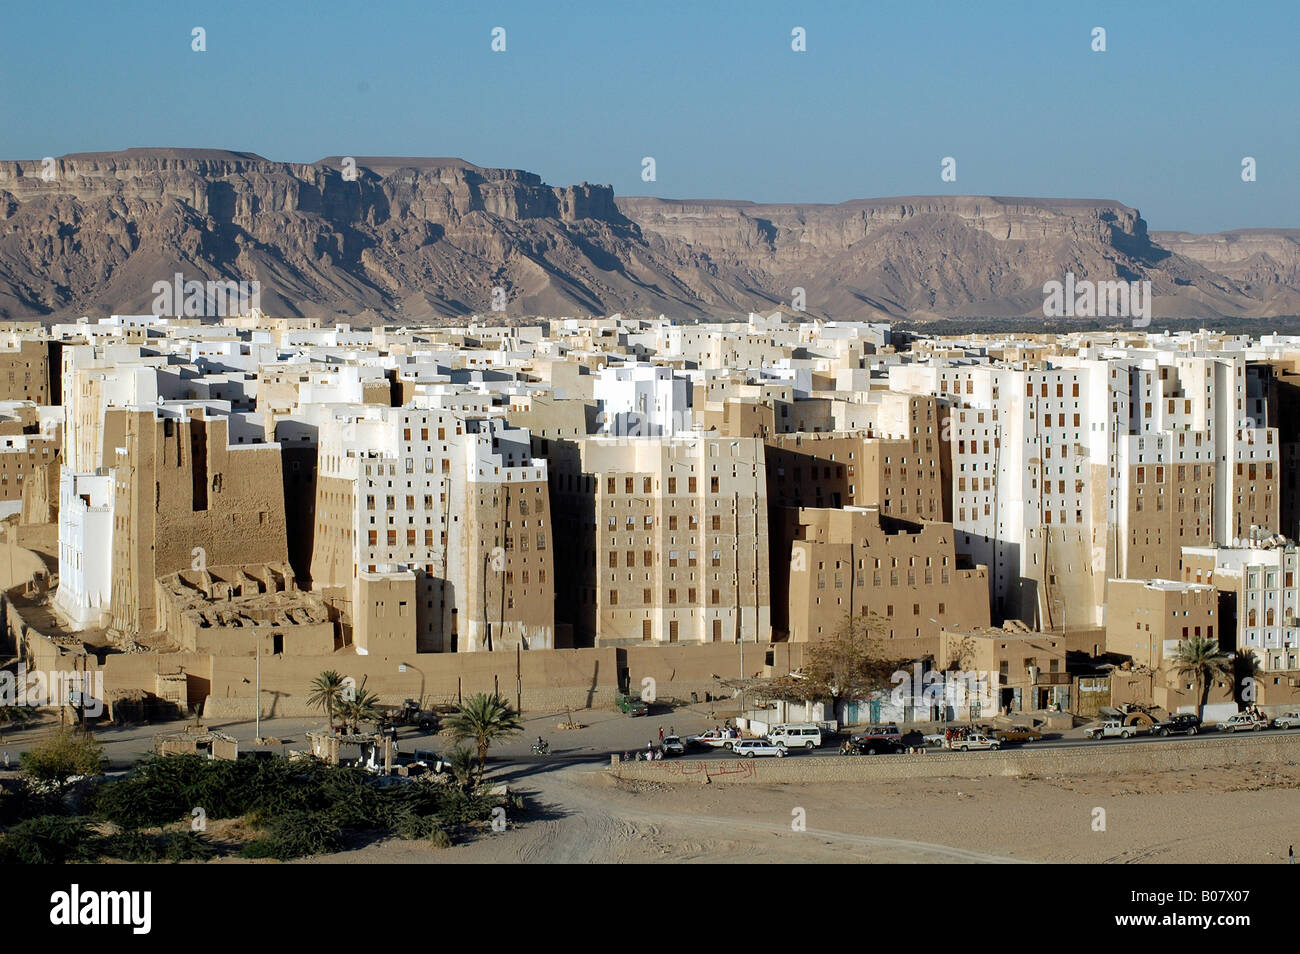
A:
(1244, 814)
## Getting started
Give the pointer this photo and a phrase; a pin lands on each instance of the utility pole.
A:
(487, 629)
(257, 700)
(740, 635)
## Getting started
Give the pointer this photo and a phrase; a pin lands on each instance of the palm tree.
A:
(483, 719)
(462, 764)
(362, 707)
(1201, 658)
(1246, 673)
(327, 693)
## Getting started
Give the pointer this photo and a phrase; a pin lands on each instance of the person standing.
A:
(661, 733)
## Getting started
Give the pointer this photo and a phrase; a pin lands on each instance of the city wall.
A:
(550, 680)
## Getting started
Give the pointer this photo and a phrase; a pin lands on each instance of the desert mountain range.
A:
(410, 239)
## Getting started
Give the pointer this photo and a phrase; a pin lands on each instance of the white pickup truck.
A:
(1244, 722)
(974, 742)
(1112, 729)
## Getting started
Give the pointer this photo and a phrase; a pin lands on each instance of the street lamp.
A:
(922, 688)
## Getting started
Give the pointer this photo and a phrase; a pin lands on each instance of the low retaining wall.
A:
(1104, 759)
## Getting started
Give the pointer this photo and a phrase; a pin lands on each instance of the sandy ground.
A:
(1242, 815)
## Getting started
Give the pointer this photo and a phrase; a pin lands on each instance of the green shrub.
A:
(262, 848)
(303, 806)
(49, 840)
(131, 846)
(65, 754)
(296, 835)
(186, 846)
(460, 808)
(411, 826)
(21, 801)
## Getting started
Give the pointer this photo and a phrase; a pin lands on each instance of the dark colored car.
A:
(630, 704)
(887, 731)
(1182, 724)
(871, 745)
(1018, 733)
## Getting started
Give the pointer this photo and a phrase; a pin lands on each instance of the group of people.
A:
(654, 752)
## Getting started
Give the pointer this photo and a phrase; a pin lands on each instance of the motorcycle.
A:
(542, 748)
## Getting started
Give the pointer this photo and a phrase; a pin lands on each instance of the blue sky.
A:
(710, 89)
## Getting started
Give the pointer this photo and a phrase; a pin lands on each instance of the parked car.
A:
(1017, 733)
(887, 731)
(1185, 723)
(1288, 720)
(672, 745)
(431, 760)
(1244, 722)
(934, 738)
(800, 735)
(712, 739)
(871, 746)
(630, 704)
(408, 713)
(975, 742)
(1112, 729)
(752, 747)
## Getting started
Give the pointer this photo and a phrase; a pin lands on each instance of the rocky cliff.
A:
(415, 239)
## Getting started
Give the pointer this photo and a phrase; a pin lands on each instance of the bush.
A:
(303, 806)
(21, 801)
(411, 826)
(296, 835)
(459, 808)
(186, 846)
(167, 788)
(65, 754)
(131, 846)
(49, 840)
(262, 848)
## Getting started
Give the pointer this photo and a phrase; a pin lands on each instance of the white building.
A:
(85, 547)
(642, 400)
(458, 501)
(1267, 582)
